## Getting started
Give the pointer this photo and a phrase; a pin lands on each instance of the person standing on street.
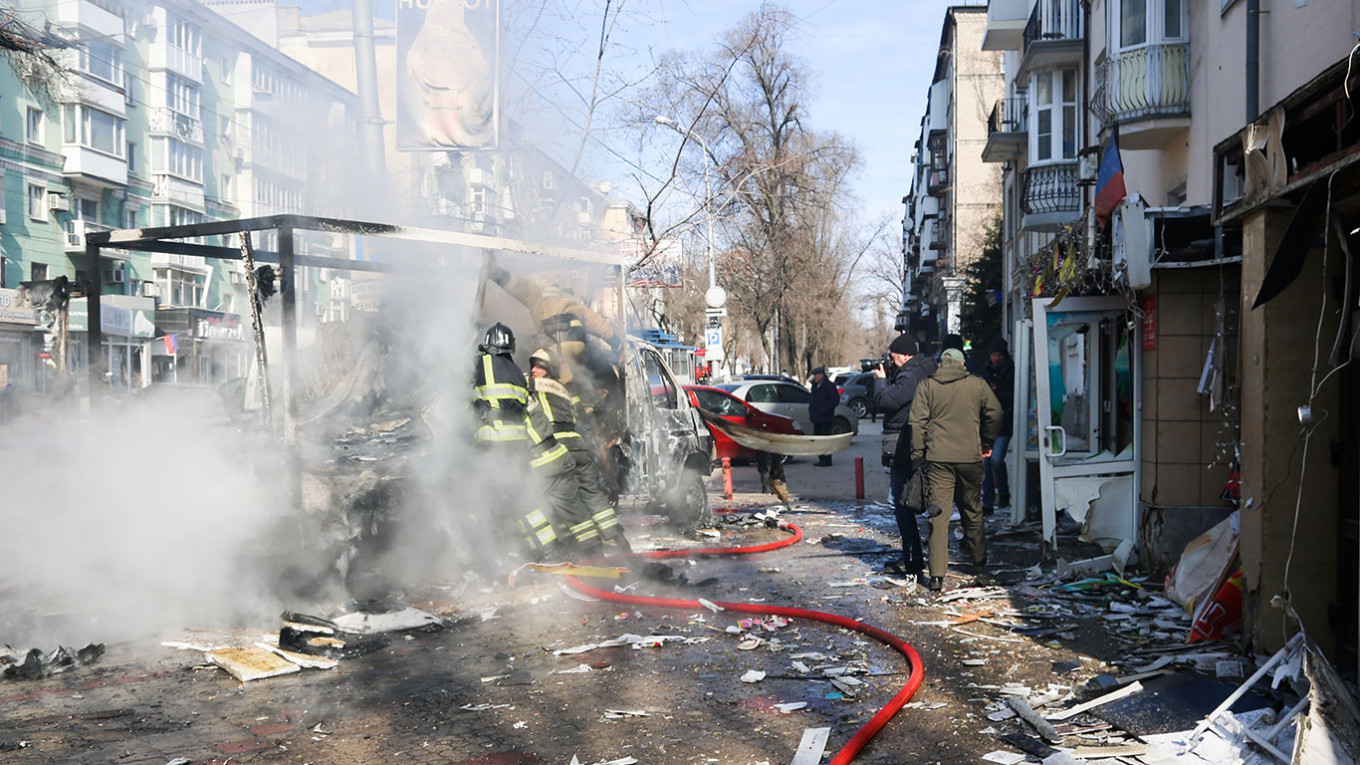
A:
(953, 415)
(1000, 374)
(822, 408)
(500, 399)
(893, 398)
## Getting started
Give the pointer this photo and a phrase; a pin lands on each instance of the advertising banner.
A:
(662, 270)
(448, 74)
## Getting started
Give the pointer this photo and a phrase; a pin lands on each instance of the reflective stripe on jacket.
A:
(500, 396)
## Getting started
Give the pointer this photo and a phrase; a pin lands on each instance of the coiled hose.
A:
(866, 732)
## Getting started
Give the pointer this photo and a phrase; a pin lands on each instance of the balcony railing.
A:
(938, 180)
(1051, 189)
(166, 120)
(1008, 115)
(1152, 81)
(1052, 21)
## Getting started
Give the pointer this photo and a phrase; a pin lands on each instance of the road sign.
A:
(713, 343)
(715, 312)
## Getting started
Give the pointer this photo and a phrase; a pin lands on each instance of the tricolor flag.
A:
(1110, 183)
(171, 345)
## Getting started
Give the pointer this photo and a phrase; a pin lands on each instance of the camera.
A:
(885, 362)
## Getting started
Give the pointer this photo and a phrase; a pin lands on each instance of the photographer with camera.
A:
(903, 368)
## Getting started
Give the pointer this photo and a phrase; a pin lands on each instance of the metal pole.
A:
(94, 330)
(1253, 99)
(257, 329)
(288, 306)
(366, 73)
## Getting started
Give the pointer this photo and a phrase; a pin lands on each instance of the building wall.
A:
(978, 83)
(1181, 457)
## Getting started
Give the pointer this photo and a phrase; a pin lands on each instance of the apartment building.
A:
(1175, 342)
(172, 114)
(954, 194)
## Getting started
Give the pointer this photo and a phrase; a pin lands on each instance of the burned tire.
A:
(687, 505)
(841, 425)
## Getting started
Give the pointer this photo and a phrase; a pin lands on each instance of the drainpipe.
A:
(1253, 60)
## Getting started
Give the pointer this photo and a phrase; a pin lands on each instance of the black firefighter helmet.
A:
(499, 340)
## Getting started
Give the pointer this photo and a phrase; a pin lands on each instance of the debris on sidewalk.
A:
(753, 676)
(251, 663)
(37, 665)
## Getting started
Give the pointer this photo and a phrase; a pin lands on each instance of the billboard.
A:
(448, 74)
(662, 270)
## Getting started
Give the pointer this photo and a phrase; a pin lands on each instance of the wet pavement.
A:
(503, 684)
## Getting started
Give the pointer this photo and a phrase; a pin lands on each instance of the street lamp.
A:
(716, 297)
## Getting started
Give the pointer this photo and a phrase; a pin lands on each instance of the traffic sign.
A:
(713, 343)
(715, 312)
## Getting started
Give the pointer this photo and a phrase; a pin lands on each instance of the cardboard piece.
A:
(251, 663)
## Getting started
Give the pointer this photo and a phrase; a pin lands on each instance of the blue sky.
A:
(871, 60)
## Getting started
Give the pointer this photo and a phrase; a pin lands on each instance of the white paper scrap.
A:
(753, 676)
(1003, 757)
(812, 746)
(792, 706)
(710, 605)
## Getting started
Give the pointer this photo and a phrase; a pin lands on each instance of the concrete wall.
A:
(1286, 522)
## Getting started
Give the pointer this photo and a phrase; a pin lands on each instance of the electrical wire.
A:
(867, 731)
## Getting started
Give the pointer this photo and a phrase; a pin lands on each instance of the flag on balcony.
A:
(1110, 183)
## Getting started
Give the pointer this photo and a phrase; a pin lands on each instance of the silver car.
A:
(789, 399)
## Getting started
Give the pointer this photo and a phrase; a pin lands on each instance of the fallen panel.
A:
(361, 623)
(1171, 703)
(252, 663)
(812, 746)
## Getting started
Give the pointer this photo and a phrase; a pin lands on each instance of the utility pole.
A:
(370, 117)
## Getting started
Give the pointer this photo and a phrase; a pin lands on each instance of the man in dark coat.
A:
(822, 408)
(953, 415)
(893, 399)
(1000, 374)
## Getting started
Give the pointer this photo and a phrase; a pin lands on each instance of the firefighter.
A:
(563, 317)
(501, 400)
(563, 409)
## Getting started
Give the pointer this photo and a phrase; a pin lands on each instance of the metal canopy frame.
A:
(163, 240)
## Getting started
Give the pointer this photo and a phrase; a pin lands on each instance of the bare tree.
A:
(29, 53)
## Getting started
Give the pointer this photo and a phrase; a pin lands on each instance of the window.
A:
(762, 394)
(132, 157)
(793, 394)
(170, 155)
(103, 60)
(720, 404)
(94, 129)
(186, 37)
(37, 202)
(1055, 132)
(662, 386)
(182, 96)
(86, 209)
(129, 88)
(227, 66)
(1140, 22)
(38, 272)
(33, 129)
(224, 126)
(183, 288)
(130, 218)
(225, 190)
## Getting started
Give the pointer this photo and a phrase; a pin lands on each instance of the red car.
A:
(733, 409)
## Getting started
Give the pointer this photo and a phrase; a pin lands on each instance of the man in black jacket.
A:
(822, 408)
(1000, 374)
(894, 399)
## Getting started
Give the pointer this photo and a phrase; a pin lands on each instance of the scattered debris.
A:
(1026, 712)
(251, 663)
(811, 747)
(753, 676)
(37, 665)
(792, 706)
(365, 623)
(618, 714)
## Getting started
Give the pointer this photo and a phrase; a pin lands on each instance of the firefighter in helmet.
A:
(501, 402)
(595, 519)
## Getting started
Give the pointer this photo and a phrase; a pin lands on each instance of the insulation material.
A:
(252, 663)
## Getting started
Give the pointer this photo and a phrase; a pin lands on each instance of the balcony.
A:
(939, 234)
(76, 231)
(102, 18)
(1050, 196)
(1052, 38)
(96, 168)
(938, 182)
(1146, 91)
(171, 58)
(166, 121)
(1005, 24)
(178, 191)
(1006, 130)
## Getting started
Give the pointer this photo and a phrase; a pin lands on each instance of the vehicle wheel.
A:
(841, 425)
(687, 506)
(860, 407)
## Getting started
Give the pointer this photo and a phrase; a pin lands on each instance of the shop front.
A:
(128, 330)
(19, 346)
(198, 346)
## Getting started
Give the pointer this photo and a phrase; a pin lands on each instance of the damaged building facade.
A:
(171, 114)
(1188, 358)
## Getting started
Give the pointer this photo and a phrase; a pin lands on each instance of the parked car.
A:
(789, 399)
(734, 410)
(857, 392)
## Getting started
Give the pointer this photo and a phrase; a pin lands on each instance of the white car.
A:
(783, 396)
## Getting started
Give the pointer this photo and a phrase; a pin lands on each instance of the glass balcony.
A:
(938, 182)
(1050, 196)
(1006, 130)
(1140, 86)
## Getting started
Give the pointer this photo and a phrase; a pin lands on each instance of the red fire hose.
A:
(852, 748)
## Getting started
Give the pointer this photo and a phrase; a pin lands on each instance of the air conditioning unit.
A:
(237, 277)
(151, 289)
(117, 276)
(58, 202)
(2, 216)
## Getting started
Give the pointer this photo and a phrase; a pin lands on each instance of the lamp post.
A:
(716, 296)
